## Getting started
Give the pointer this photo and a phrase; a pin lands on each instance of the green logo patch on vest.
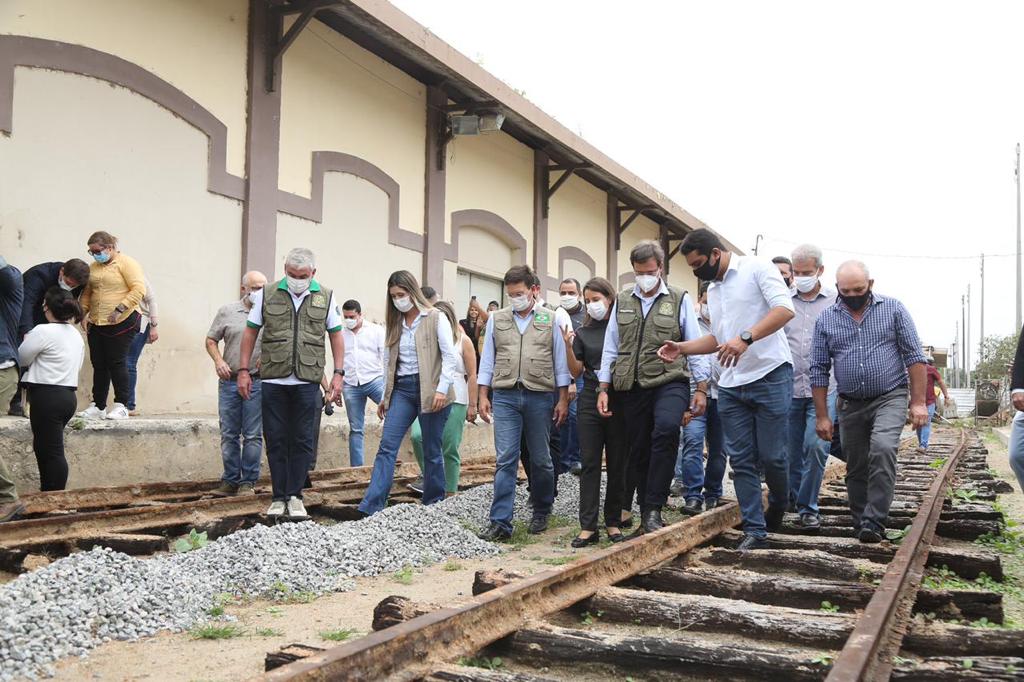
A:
(318, 301)
(542, 316)
(665, 308)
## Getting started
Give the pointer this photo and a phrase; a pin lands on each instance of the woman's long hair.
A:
(603, 287)
(448, 311)
(406, 281)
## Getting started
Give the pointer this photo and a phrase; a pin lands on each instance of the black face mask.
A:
(709, 270)
(856, 302)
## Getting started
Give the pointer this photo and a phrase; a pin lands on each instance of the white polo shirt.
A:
(366, 356)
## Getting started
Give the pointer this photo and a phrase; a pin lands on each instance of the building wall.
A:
(577, 217)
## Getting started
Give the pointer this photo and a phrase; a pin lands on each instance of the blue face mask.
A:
(101, 257)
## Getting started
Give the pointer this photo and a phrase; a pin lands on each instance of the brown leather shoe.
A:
(10, 510)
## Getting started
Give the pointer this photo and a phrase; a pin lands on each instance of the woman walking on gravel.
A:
(597, 434)
(52, 356)
(420, 379)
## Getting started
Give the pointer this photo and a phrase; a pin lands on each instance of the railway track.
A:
(141, 519)
(681, 603)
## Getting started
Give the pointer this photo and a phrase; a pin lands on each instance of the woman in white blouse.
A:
(53, 354)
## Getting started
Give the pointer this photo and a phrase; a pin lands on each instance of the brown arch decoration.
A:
(57, 56)
(577, 254)
(339, 162)
(491, 223)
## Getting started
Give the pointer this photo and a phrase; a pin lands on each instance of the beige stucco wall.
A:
(577, 217)
(124, 164)
(335, 96)
(641, 228)
(199, 46)
(353, 254)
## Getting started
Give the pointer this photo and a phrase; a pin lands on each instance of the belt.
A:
(849, 398)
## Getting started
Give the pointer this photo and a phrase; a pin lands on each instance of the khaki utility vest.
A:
(640, 338)
(524, 358)
(293, 340)
(428, 357)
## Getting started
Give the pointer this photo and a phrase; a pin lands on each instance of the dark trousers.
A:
(108, 352)
(52, 408)
(288, 416)
(653, 417)
(597, 436)
(554, 448)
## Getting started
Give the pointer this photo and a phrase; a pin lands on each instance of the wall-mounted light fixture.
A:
(476, 123)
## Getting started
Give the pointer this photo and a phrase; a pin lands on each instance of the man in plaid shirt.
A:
(872, 345)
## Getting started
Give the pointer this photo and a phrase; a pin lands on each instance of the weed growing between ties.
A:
(340, 635)
(190, 542)
(482, 662)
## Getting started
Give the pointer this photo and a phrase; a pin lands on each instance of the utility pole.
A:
(967, 345)
(955, 356)
(963, 345)
(1016, 176)
(981, 341)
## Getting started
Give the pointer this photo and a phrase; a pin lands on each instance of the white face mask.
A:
(705, 312)
(519, 303)
(297, 286)
(350, 323)
(647, 282)
(569, 302)
(806, 284)
(597, 310)
(64, 285)
(402, 304)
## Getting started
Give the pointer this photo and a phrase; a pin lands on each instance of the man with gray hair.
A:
(871, 344)
(240, 419)
(808, 453)
(293, 313)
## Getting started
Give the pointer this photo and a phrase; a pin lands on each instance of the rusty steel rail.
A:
(415, 647)
(879, 631)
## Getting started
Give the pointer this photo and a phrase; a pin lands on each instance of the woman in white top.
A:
(463, 408)
(420, 379)
(53, 354)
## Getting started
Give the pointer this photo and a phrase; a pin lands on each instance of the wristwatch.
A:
(339, 372)
(747, 338)
(602, 389)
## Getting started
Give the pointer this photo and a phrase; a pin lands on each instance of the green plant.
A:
(275, 611)
(967, 663)
(211, 631)
(559, 560)
(190, 542)
(521, 536)
(482, 662)
(588, 618)
(896, 536)
(822, 659)
(964, 495)
(268, 632)
(216, 610)
(452, 566)
(937, 463)
(282, 593)
(1008, 541)
(77, 424)
(403, 576)
(829, 607)
(899, 660)
(341, 635)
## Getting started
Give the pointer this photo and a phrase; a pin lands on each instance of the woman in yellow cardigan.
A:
(110, 303)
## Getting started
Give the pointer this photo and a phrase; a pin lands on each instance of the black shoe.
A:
(750, 542)
(773, 518)
(617, 537)
(17, 410)
(711, 502)
(538, 524)
(628, 523)
(576, 469)
(495, 533)
(693, 506)
(416, 486)
(676, 488)
(810, 521)
(578, 542)
(869, 534)
(652, 520)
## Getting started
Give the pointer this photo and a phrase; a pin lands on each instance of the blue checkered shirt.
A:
(871, 357)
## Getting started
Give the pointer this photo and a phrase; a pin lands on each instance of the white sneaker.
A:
(296, 510)
(118, 411)
(277, 508)
(92, 412)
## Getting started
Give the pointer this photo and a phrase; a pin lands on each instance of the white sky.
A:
(873, 129)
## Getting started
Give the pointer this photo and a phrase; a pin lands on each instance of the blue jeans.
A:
(519, 412)
(240, 419)
(760, 407)
(134, 353)
(1017, 448)
(355, 407)
(925, 432)
(702, 480)
(568, 434)
(808, 454)
(404, 408)
(289, 416)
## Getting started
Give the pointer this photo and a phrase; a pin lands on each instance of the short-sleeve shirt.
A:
(933, 376)
(228, 326)
(588, 347)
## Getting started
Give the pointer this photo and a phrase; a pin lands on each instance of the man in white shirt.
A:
(294, 313)
(749, 305)
(366, 356)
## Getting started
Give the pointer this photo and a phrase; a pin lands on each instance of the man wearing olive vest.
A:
(523, 363)
(294, 313)
(652, 394)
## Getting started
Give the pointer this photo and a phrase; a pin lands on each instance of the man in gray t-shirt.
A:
(240, 419)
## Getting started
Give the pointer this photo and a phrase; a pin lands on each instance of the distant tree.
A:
(996, 357)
